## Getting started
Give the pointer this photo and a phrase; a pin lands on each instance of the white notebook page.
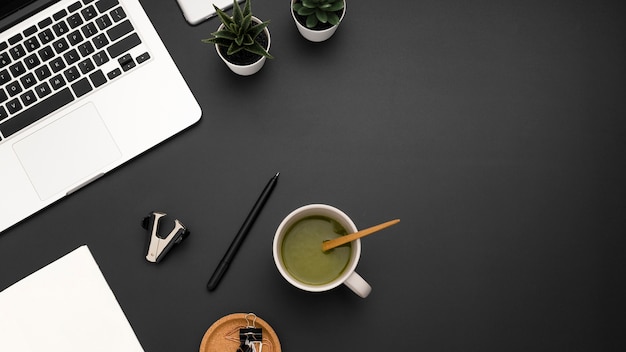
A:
(66, 306)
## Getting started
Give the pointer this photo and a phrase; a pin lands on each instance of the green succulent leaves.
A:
(239, 32)
(316, 11)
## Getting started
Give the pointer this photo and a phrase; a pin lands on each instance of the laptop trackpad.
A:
(70, 150)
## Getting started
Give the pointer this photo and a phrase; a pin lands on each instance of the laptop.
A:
(85, 85)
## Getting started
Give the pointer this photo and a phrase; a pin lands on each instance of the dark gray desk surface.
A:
(494, 130)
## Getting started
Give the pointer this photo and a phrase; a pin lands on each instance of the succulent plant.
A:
(240, 32)
(316, 11)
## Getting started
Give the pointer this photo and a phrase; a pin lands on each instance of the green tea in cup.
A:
(298, 255)
(302, 253)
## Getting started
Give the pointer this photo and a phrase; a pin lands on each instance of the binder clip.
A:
(159, 245)
(250, 337)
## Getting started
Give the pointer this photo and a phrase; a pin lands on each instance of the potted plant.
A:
(317, 20)
(242, 40)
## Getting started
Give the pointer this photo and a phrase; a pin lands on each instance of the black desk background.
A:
(494, 130)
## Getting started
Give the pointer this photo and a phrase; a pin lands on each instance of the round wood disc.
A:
(223, 335)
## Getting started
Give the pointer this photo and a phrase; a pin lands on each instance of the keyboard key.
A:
(71, 74)
(114, 73)
(60, 45)
(60, 29)
(120, 30)
(44, 23)
(31, 61)
(128, 65)
(17, 69)
(74, 20)
(28, 80)
(124, 45)
(71, 57)
(103, 22)
(75, 37)
(100, 58)
(97, 78)
(3, 96)
(143, 58)
(89, 30)
(14, 88)
(57, 65)
(104, 5)
(13, 106)
(42, 72)
(31, 44)
(30, 31)
(4, 76)
(57, 16)
(28, 98)
(4, 59)
(85, 49)
(100, 41)
(126, 62)
(15, 39)
(17, 51)
(46, 53)
(46, 36)
(75, 6)
(57, 82)
(88, 13)
(86, 66)
(43, 90)
(38, 111)
(3, 114)
(118, 14)
(82, 87)
(3, 45)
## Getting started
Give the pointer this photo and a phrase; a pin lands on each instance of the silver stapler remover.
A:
(159, 245)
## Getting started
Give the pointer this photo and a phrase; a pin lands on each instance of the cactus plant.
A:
(239, 32)
(319, 11)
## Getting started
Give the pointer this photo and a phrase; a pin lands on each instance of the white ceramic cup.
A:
(349, 277)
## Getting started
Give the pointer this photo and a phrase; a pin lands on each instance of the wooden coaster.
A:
(223, 335)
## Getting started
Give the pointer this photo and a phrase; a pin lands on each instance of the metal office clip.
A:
(159, 245)
(250, 337)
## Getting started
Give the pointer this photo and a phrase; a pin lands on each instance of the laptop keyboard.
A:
(61, 59)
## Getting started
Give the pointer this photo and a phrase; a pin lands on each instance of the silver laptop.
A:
(85, 85)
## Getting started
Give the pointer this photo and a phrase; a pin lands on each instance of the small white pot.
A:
(313, 35)
(246, 70)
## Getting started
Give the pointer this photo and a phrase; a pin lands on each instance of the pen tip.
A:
(277, 174)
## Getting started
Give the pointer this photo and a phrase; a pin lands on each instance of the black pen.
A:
(241, 235)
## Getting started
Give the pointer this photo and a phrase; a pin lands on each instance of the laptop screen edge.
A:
(15, 11)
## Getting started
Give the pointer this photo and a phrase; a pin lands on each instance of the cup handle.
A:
(356, 283)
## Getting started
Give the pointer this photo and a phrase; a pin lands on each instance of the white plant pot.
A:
(246, 70)
(313, 35)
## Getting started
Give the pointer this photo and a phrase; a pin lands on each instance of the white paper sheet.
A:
(66, 306)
